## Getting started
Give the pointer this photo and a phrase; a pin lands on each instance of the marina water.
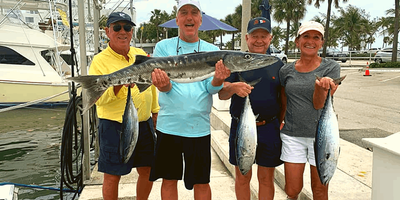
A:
(30, 140)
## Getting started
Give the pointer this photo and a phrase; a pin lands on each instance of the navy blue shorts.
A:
(109, 159)
(174, 152)
(269, 144)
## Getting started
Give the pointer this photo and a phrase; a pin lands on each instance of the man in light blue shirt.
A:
(183, 125)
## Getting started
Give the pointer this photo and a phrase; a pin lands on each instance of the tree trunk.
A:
(287, 36)
(396, 30)
(326, 35)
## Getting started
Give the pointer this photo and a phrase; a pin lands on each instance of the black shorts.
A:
(269, 144)
(109, 159)
(174, 152)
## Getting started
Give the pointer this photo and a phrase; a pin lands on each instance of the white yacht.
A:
(30, 66)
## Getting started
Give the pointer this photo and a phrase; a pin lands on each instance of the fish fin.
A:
(93, 90)
(142, 86)
(252, 83)
(141, 59)
(337, 81)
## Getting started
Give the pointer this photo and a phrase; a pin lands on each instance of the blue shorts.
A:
(109, 159)
(269, 144)
(174, 152)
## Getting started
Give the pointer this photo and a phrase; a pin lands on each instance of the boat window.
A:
(9, 56)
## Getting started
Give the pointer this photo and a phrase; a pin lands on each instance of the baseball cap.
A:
(310, 25)
(257, 23)
(119, 16)
(190, 2)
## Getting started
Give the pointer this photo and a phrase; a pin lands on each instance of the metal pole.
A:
(246, 14)
(96, 32)
(96, 28)
(83, 63)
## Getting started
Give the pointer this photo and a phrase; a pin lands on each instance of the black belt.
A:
(265, 121)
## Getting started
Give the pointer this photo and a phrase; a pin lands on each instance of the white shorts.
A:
(297, 149)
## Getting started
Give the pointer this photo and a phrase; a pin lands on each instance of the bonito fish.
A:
(326, 145)
(130, 129)
(183, 68)
(246, 136)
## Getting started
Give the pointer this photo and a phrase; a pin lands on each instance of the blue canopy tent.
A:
(209, 23)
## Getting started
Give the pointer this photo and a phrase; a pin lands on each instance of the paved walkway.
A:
(361, 114)
(222, 182)
(352, 179)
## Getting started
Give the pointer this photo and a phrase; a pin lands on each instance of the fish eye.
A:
(247, 56)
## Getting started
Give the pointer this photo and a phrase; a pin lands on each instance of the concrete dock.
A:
(366, 108)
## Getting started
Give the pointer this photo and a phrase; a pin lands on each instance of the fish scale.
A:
(246, 138)
(182, 68)
(129, 129)
(326, 145)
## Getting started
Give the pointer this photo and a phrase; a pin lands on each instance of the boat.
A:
(31, 67)
(27, 66)
(8, 192)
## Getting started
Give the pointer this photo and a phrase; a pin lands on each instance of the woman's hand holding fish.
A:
(322, 86)
(221, 73)
(326, 83)
(160, 79)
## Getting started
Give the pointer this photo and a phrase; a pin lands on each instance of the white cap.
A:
(310, 25)
(191, 2)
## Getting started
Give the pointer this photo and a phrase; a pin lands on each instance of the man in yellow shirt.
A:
(111, 106)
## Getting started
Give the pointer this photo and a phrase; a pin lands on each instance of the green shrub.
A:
(385, 65)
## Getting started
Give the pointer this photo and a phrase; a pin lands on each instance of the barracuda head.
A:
(238, 61)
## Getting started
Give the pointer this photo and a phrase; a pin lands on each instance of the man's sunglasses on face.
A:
(127, 27)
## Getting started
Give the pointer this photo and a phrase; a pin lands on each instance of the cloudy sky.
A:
(221, 8)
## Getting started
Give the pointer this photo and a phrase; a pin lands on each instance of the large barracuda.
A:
(183, 68)
(130, 129)
(326, 146)
(246, 136)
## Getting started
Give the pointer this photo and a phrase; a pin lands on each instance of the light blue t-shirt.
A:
(185, 109)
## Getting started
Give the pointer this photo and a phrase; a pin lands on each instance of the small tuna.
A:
(130, 129)
(246, 136)
(326, 145)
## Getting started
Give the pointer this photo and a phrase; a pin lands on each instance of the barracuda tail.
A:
(93, 89)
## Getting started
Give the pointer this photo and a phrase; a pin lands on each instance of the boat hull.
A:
(12, 93)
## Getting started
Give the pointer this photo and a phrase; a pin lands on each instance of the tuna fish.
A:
(130, 130)
(183, 68)
(326, 145)
(246, 136)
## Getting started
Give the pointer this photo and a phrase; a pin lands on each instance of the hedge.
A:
(385, 65)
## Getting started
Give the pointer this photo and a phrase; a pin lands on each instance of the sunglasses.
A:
(127, 27)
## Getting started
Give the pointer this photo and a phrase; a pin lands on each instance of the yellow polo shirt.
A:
(111, 106)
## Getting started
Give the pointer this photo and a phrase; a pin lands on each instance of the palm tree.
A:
(158, 17)
(383, 23)
(390, 25)
(288, 11)
(353, 24)
(328, 17)
(372, 29)
(278, 34)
